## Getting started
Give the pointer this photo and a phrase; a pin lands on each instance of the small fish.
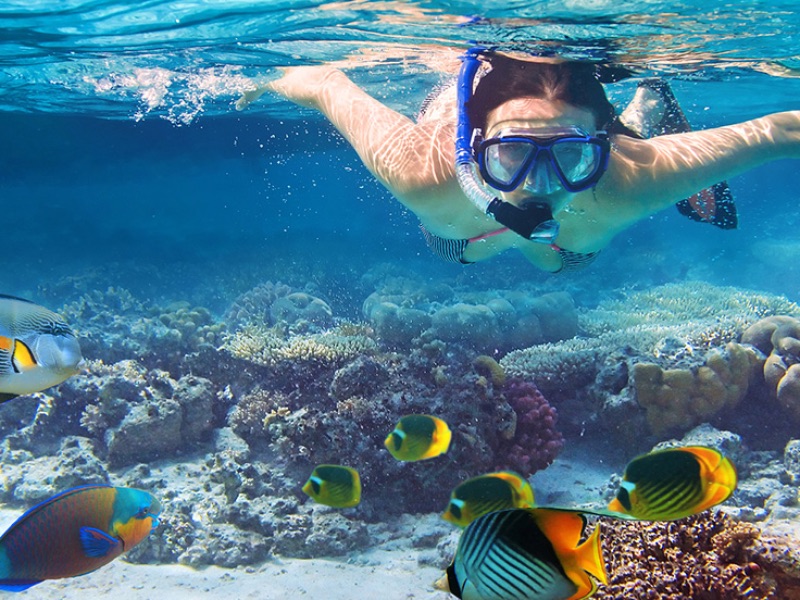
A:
(334, 485)
(674, 483)
(74, 533)
(526, 554)
(487, 493)
(37, 348)
(417, 437)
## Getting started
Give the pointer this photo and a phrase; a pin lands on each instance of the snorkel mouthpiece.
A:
(534, 222)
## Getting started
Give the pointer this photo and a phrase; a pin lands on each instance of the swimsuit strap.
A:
(489, 234)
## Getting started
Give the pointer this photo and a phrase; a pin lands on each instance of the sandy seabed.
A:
(388, 575)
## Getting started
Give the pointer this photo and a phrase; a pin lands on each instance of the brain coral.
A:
(779, 338)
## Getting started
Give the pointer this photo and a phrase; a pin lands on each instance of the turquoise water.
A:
(126, 172)
(122, 141)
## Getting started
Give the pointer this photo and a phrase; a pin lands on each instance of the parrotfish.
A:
(674, 483)
(526, 554)
(73, 533)
(486, 493)
(417, 437)
(334, 485)
(37, 348)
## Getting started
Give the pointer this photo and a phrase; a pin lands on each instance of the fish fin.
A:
(18, 585)
(96, 543)
(715, 494)
(22, 357)
(4, 397)
(718, 467)
(563, 527)
(590, 556)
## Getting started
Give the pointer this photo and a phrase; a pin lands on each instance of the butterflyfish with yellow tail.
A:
(486, 493)
(74, 533)
(526, 554)
(334, 485)
(674, 483)
(37, 348)
(418, 437)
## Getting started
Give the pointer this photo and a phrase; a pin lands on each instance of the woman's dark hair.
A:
(572, 82)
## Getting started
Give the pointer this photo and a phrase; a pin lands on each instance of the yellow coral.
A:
(682, 398)
(490, 368)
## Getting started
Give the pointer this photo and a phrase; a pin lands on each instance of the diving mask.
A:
(516, 155)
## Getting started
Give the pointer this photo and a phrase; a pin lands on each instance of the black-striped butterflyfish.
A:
(526, 554)
(674, 483)
(417, 437)
(334, 485)
(487, 493)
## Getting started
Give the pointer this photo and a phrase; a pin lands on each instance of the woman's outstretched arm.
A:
(653, 174)
(404, 156)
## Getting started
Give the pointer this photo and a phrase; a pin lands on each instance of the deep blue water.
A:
(122, 145)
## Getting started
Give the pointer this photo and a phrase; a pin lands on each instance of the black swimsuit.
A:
(452, 250)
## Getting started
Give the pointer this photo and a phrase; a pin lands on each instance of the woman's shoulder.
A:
(439, 104)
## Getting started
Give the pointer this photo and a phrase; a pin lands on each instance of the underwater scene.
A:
(233, 364)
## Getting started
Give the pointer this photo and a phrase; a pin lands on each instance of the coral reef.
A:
(680, 330)
(707, 556)
(778, 337)
(681, 398)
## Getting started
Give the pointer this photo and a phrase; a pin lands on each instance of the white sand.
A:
(390, 576)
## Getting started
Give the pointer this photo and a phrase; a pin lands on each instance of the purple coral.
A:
(535, 442)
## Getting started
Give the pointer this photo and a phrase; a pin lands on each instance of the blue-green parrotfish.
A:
(73, 533)
(37, 348)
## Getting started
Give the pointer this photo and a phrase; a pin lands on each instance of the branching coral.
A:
(268, 347)
(705, 557)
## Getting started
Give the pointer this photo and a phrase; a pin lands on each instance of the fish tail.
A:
(719, 472)
(590, 556)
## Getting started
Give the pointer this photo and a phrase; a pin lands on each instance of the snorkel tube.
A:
(534, 222)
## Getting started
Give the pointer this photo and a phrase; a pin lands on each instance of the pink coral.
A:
(535, 442)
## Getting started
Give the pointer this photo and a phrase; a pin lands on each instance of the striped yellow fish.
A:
(417, 437)
(674, 483)
(487, 493)
(334, 485)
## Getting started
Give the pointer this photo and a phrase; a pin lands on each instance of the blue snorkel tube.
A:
(534, 222)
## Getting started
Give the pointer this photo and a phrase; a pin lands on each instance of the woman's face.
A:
(533, 114)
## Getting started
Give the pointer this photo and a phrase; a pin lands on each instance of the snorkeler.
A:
(529, 154)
